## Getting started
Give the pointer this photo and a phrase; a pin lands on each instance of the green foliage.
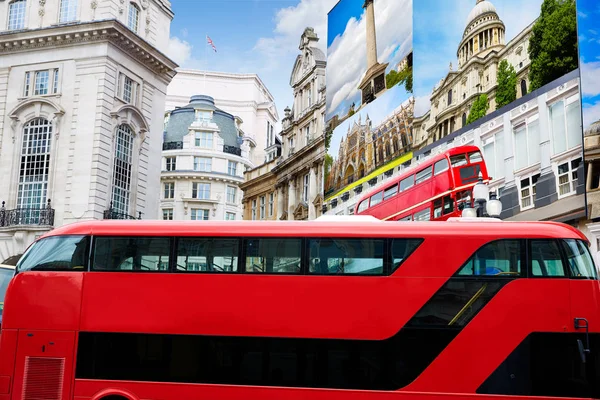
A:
(399, 78)
(351, 112)
(507, 84)
(553, 43)
(478, 109)
(328, 135)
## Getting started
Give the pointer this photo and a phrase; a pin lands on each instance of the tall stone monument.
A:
(373, 84)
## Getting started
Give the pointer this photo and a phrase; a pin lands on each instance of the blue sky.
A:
(251, 36)
(347, 47)
(438, 30)
(588, 15)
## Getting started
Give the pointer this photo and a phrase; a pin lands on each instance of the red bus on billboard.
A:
(131, 310)
(435, 190)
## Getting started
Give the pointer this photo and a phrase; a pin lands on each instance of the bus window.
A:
(437, 208)
(407, 183)
(273, 256)
(458, 160)
(499, 258)
(346, 256)
(448, 205)
(470, 174)
(402, 249)
(56, 253)
(423, 175)
(131, 254)
(363, 205)
(376, 198)
(390, 192)
(207, 254)
(424, 215)
(579, 259)
(475, 157)
(440, 166)
(546, 259)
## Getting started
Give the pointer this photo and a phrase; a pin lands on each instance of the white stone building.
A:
(205, 154)
(82, 93)
(242, 95)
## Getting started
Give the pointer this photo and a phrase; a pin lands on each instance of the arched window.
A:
(35, 165)
(121, 191)
(449, 96)
(523, 87)
(68, 11)
(16, 15)
(464, 119)
(133, 17)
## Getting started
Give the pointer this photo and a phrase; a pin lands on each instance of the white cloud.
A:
(179, 50)
(422, 105)
(591, 114)
(590, 84)
(347, 55)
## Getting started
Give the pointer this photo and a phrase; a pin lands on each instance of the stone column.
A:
(312, 191)
(280, 200)
(371, 36)
(588, 178)
(291, 197)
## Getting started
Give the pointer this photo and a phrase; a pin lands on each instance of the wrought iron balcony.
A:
(112, 214)
(172, 146)
(40, 216)
(232, 150)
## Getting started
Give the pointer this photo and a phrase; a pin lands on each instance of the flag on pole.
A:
(209, 41)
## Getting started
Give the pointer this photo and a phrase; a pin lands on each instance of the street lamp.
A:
(487, 204)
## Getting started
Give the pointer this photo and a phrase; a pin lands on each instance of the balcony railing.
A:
(232, 150)
(172, 146)
(112, 214)
(40, 216)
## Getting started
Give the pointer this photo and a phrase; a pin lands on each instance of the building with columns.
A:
(482, 48)
(298, 171)
(82, 94)
(242, 95)
(205, 154)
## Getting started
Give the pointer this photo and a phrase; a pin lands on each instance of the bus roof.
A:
(346, 228)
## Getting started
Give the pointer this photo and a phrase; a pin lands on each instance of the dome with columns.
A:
(481, 8)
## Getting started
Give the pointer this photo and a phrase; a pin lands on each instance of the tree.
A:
(400, 78)
(478, 109)
(328, 135)
(392, 79)
(507, 84)
(553, 43)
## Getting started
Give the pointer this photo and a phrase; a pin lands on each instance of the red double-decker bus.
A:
(132, 310)
(433, 191)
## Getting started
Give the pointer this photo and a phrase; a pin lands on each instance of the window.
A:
(309, 92)
(271, 203)
(346, 256)
(390, 192)
(565, 124)
(376, 199)
(363, 206)
(305, 188)
(169, 190)
(133, 17)
(203, 116)
(199, 214)
(16, 15)
(55, 82)
(34, 169)
(203, 164)
(407, 183)
(475, 157)
(402, 249)
(443, 206)
(229, 216)
(546, 259)
(307, 135)
(567, 177)
(273, 255)
(450, 97)
(423, 215)
(579, 259)
(171, 163)
(528, 191)
(499, 258)
(168, 214)
(204, 140)
(131, 254)
(127, 89)
(68, 11)
(207, 254)
(232, 168)
(231, 192)
(254, 210)
(262, 207)
(56, 253)
(527, 143)
(458, 160)
(440, 166)
(423, 175)
(201, 191)
(493, 151)
(42, 79)
(123, 163)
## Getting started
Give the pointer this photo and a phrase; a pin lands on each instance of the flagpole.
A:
(206, 60)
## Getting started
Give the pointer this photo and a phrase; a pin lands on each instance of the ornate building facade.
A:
(297, 170)
(482, 48)
(82, 94)
(366, 148)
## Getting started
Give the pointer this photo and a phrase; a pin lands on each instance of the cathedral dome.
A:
(594, 129)
(482, 7)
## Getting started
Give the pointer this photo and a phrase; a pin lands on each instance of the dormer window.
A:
(203, 116)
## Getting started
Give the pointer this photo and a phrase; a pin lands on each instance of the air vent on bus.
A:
(43, 379)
